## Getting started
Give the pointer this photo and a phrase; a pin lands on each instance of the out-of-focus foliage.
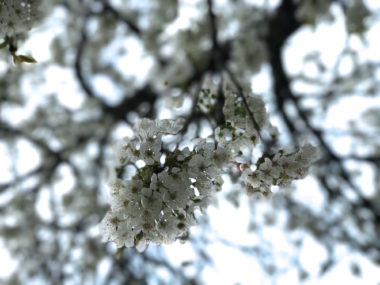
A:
(103, 64)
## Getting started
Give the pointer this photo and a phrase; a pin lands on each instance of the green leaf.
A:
(26, 58)
(119, 252)
(23, 58)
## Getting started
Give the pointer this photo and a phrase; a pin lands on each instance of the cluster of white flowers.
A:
(279, 170)
(157, 204)
(239, 132)
(18, 16)
(158, 200)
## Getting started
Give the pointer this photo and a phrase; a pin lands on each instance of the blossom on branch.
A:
(157, 203)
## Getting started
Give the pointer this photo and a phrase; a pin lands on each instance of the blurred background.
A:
(103, 64)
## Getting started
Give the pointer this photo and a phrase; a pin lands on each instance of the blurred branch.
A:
(107, 8)
(286, 19)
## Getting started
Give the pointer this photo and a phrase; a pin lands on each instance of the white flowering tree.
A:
(137, 117)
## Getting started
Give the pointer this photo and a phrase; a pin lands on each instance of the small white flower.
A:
(178, 198)
(223, 135)
(150, 153)
(266, 165)
(254, 180)
(205, 148)
(264, 177)
(221, 157)
(152, 202)
(198, 165)
(183, 154)
(167, 227)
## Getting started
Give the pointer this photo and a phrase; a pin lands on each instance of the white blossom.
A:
(280, 170)
(18, 16)
(157, 203)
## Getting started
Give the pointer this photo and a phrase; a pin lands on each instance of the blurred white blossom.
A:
(310, 11)
(18, 16)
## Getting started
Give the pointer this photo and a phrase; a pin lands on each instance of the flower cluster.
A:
(280, 170)
(157, 202)
(239, 132)
(18, 16)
